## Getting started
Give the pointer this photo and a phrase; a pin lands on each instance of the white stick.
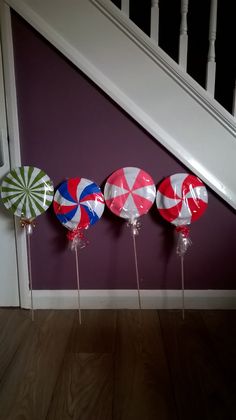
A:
(30, 273)
(136, 267)
(182, 281)
(77, 277)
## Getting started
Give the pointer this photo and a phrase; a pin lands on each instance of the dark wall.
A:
(68, 128)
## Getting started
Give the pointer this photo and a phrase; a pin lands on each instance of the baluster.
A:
(125, 7)
(155, 20)
(211, 64)
(183, 37)
(234, 101)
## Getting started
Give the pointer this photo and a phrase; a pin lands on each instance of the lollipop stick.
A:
(136, 268)
(30, 272)
(77, 277)
(182, 281)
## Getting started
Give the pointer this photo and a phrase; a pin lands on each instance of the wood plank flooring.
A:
(117, 365)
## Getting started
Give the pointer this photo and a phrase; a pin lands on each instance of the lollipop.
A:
(78, 203)
(27, 192)
(129, 193)
(182, 199)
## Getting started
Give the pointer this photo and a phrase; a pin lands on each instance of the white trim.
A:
(128, 299)
(10, 85)
(14, 139)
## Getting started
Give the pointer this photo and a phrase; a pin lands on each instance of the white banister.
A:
(155, 20)
(183, 38)
(125, 7)
(234, 101)
(211, 63)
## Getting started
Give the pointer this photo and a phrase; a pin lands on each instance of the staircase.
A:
(145, 81)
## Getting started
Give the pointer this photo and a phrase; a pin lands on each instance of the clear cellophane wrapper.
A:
(77, 239)
(183, 241)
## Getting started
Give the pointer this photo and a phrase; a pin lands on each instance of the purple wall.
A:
(68, 127)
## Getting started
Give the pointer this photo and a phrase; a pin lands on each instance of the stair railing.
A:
(183, 40)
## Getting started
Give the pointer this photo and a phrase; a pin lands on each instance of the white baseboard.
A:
(128, 299)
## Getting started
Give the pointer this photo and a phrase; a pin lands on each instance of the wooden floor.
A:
(131, 365)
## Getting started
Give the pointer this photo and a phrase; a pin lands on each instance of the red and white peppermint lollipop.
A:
(129, 192)
(181, 199)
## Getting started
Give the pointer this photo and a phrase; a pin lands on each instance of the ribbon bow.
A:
(77, 237)
(29, 224)
(184, 230)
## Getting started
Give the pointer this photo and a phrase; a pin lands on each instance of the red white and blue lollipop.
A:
(78, 203)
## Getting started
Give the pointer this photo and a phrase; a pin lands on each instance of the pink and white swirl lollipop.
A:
(129, 193)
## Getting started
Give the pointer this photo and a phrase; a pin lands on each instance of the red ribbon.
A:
(76, 233)
(184, 230)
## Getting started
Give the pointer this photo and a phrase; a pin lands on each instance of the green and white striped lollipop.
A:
(27, 192)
